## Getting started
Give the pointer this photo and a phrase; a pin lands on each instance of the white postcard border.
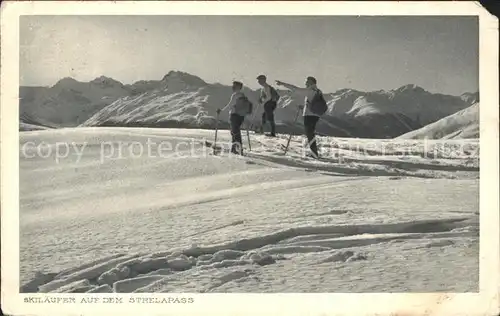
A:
(484, 303)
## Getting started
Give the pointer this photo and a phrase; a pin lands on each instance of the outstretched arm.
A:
(291, 87)
(230, 102)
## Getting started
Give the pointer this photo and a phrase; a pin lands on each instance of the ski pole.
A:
(253, 116)
(248, 137)
(290, 137)
(216, 129)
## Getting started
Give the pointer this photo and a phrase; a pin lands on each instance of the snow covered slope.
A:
(102, 215)
(30, 127)
(180, 99)
(185, 100)
(69, 102)
(387, 114)
(26, 123)
(463, 124)
(470, 98)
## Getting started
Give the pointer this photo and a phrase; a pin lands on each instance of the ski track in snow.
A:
(372, 222)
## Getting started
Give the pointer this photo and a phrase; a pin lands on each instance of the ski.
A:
(217, 149)
(273, 143)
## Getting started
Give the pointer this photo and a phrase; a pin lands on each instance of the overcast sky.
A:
(366, 53)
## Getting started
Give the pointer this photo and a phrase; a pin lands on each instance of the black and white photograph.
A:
(249, 153)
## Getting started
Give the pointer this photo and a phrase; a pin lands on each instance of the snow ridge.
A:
(155, 272)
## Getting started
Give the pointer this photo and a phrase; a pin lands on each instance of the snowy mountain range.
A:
(461, 125)
(69, 102)
(180, 99)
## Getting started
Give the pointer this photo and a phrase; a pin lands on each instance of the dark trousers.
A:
(236, 120)
(310, 122)
(268, 115)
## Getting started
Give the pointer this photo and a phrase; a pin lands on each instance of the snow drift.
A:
(372, 216)
(463, 124)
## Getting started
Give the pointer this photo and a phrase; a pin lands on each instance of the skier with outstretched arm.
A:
(314, 106)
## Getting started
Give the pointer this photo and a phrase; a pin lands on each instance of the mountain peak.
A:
(66, 81)
(410, 88)
(184, 77)
(104, 81)
(102, 78)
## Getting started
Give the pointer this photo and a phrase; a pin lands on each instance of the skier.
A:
(268, 98)
(311, 114)
(239, 106)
